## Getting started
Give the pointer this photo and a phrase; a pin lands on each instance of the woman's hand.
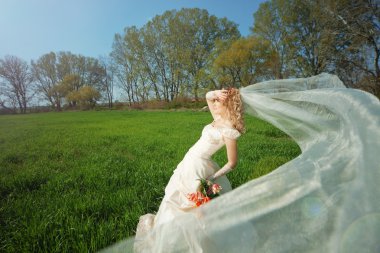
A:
(221, 95)
(214, 96)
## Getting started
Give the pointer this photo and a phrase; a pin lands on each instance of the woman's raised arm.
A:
(215, 95)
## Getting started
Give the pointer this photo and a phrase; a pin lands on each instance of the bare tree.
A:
(107, 83)
(16, 82)
(8, 101)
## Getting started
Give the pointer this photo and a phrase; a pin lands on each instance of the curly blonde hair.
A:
(235, 109)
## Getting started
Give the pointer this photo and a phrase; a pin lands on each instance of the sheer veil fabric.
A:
(324, 200)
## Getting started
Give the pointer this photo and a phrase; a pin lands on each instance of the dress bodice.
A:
(212, 140)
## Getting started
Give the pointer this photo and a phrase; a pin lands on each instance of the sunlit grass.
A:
(78, 181)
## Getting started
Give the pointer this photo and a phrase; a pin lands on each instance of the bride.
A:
(324, 200)
(227, 111)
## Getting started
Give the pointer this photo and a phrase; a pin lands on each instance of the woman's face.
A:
(218, 107)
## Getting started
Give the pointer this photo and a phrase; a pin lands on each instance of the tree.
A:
(67, 87)
(196, 33)
(46, 74)
(356, 24)
(297, 32)
(51, 69)
(88, 96)
(246, 61)
(270, 24)
(158, 54)
(169, 56)
(130, 63)
(8, 101)
(16, 82)
(312, 43)
(107, 83)
(337, 36)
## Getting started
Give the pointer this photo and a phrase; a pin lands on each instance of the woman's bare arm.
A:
(231, 146)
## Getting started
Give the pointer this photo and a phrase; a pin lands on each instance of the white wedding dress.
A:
(196, 164)
(325, 200)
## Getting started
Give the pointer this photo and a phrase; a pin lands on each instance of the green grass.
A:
(78, 181)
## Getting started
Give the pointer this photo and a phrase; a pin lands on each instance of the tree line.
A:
(183, 53)
(58, 78)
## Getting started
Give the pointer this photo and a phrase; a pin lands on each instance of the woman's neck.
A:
(221, 121)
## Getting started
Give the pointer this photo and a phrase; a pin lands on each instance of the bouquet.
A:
(206, 191)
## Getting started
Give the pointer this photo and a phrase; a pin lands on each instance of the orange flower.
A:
(205, 193)
(192, 197)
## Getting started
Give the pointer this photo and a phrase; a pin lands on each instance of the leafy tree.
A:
(312, 42)
(170, 55)
(55, 73)
(247, 61)
(73, 97)
(197, 33)
(46, 77)
(88, 96)
(271, 25)
(296, 31)
(67, 87)
(130, 64)
(356, 24)
(310, 37)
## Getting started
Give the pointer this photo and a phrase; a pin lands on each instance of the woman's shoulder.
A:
(231, 133)
(228, 131)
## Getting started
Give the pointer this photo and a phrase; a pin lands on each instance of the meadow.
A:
(78, 181)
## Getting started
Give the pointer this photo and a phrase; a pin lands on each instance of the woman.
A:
(226, 109)
(324, 200)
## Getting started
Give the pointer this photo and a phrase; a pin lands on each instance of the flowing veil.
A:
(325, 200)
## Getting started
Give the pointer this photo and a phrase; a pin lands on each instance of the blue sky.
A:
(31, 28)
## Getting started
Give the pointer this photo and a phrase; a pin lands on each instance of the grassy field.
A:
(78, 181)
